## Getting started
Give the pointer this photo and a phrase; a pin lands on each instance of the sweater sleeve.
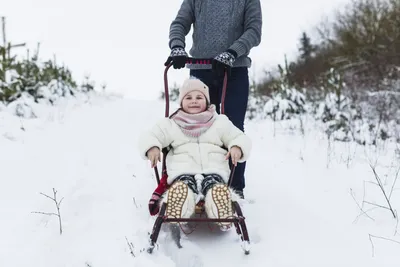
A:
(252, 29)
(181, 25)
(158, 136)
(233, 136)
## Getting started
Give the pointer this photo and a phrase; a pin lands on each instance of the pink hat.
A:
(193, 84)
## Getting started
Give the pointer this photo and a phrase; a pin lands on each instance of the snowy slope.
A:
(299, 211)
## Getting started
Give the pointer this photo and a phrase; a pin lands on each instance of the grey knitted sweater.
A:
(218, 25)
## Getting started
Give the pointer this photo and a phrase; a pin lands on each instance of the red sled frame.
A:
(238, 219)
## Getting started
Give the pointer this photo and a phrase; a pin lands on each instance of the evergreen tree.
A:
(306, 47)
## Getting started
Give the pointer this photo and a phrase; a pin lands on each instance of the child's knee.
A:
(209, 181)
(189, 180)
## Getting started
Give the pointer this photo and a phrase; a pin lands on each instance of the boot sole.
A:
(222, 199)
(177, 195)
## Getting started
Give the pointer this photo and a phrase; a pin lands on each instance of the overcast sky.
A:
(124, 43)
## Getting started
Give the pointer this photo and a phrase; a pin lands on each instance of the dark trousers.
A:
(237, 93)
(209, 181)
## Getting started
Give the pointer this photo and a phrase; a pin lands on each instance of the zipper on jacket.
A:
(201, 162)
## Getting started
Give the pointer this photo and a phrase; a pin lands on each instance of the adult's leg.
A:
(236, 99)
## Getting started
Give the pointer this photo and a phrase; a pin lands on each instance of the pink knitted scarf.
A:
(194, 125)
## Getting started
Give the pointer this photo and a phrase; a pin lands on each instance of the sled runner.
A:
(238, 220)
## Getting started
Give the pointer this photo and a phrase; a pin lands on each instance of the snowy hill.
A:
(303, 196)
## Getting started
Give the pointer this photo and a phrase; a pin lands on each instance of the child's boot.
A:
(180, 201)
(218, 204)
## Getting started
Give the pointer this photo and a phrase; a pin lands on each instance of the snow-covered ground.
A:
(301, 209)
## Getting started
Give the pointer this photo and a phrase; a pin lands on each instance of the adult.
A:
(224, 31)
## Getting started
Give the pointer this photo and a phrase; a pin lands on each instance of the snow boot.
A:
(180, 201)
(240, 193)
(218, 204)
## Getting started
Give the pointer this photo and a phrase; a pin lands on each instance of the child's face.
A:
(194, 102)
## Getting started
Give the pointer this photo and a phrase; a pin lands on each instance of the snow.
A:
(299, 206)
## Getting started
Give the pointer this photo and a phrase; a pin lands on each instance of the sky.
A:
(121, 42)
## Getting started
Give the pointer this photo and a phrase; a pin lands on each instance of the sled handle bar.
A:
(201, 61)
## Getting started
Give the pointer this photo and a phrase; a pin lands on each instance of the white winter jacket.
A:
(190, 155)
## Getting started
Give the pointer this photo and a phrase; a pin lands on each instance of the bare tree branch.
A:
(47, 196)
(134, 202)
(45, 213)
(362, 211)
(383, 190)
(394, 182)
(368, 210)
(362, 205)
(131, 247)
(377, 205)
(58, 214)
(370, 182)
(384, 238)
(59, 203)
(373, 247)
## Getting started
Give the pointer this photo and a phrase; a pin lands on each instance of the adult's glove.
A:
(224, 61)
(178, 58)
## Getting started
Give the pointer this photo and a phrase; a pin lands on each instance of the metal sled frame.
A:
(238, 219)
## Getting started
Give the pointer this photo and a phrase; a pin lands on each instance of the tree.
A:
(306, 47)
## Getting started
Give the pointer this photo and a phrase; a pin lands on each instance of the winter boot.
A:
(180, 201)
(239, 192)
(218, 204)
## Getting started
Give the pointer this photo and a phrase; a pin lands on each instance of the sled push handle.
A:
(190, 60)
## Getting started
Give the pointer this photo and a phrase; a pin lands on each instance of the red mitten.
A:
(162, 186)
(154, 207)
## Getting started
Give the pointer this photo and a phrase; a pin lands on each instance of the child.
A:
(197, 162)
